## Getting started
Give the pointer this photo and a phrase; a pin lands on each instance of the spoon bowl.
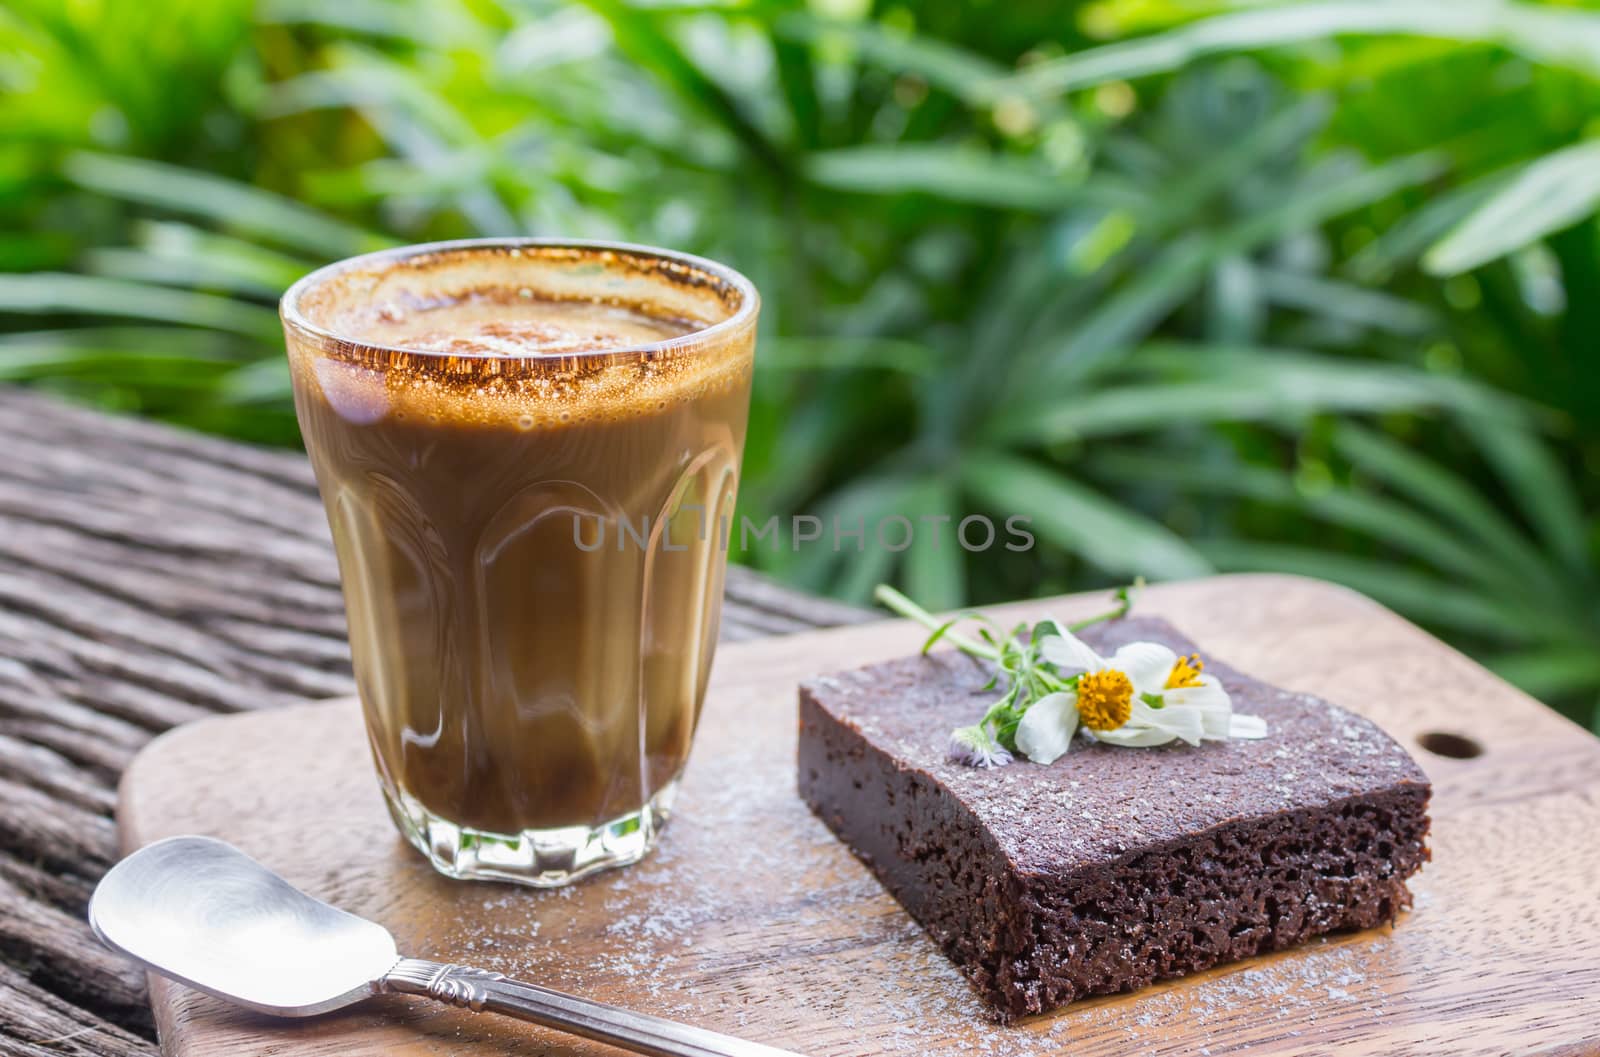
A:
(207, 915)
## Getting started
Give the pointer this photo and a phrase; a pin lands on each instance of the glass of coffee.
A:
(528, 452)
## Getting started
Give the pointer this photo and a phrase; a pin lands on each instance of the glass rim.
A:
(289, 309)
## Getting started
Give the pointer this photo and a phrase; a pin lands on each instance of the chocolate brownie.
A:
(1112, 867)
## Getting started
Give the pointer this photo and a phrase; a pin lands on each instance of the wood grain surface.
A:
(750, 918)
(150, 576)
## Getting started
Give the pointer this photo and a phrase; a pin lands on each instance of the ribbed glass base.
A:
(543, 858)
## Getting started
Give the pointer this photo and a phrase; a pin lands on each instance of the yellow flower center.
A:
(1186, 672)
(1105, 699)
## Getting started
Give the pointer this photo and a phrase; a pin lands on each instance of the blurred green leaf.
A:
(1449, 496)
(400, 104)
(934, 564)
(1409, 237)
(202, 262)
(237, 206)
(1546, 497)
(836, 557)
(1271, 389)
(1223, 169)
(1424, 596)
(1550, 673)
(1383, 519)
(160, 357)
(46, 293)
(1550, 35)
(1323, 200)
(943, 65)
(1269, 386)
(1108, 536)
(1128, 316)
(264, 381)
(642, 35)
(950, 171)
(442, 23)
(1340, 300)
(134, 340)
(1546, 195)
(826, 354)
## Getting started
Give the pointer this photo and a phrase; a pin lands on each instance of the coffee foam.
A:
(430, 338)
(500, 322)
(541, 392)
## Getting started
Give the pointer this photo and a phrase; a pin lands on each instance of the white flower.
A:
(1142, 695)
(974, 747)
(1045, 730)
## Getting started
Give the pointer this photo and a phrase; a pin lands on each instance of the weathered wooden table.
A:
(150, 576)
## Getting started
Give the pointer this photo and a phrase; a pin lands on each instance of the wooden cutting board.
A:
(752, 919)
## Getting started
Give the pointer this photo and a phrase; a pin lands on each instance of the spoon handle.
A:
(479, 990)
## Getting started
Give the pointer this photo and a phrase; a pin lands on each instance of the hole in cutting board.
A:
(1453, 746)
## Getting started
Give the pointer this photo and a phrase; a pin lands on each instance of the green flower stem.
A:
(1125, 597)
(1054, 683)
(889, 598)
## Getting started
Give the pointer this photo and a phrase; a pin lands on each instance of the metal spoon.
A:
(207, 915)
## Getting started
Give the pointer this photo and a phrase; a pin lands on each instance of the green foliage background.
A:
(1196, 285)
